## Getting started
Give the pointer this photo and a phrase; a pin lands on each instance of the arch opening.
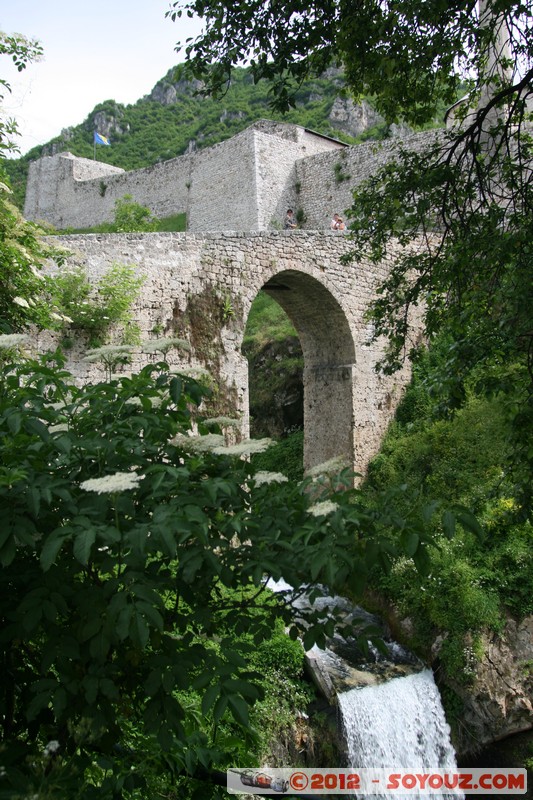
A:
(328, 353)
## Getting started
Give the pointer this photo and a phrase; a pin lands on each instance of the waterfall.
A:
(393, 719)
(399, 724)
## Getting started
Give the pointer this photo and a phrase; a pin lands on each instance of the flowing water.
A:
(398, 724)
(393, 717)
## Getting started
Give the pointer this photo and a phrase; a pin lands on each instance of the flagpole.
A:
(94, 147)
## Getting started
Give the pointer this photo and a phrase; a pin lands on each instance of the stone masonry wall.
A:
(275, 157)
(326, 180)
(234, 185)
(244, 183)
(191, 278)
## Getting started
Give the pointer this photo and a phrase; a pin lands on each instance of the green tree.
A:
(22, 249)
(407, 54)
(454, 221)
(130, 216)
(22, 52)
(134, 559)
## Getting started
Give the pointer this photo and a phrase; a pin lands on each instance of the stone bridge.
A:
(201, 287)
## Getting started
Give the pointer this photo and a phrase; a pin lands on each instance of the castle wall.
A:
(243, 183)
(326, 180)
(276, 158)
(223, 186)
(51, 188)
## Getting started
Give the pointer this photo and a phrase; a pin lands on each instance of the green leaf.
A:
(239, 709)
(14, 422)
(90, 628)
(410, 542)
(220, 708)
(176, 387)
(122, 625)
(35, 426)
(99, 645)
(139, 631)
(153, 682)
(34, 500)
(422, 560)
(90, 686)
(469, 521)
(448, 524)
(82, 545)
(51, 548)
(209, 697)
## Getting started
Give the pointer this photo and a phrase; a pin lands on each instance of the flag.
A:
(99, 139)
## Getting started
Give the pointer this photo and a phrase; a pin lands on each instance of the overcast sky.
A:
(93, 51)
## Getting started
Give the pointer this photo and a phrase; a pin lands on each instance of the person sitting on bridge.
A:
(290, 222)
(337, 223)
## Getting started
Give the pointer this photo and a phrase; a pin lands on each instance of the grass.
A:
(267, 322)
(174, 223)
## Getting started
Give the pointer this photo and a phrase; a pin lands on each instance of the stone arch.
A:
(329, 364)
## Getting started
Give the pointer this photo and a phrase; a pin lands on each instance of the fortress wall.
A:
(276, 156)
(326, 180)
(223, 186)
(243, 183)
(53, 195)
(70, 192)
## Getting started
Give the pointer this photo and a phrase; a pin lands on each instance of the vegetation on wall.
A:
(132, 217)
(97, 308)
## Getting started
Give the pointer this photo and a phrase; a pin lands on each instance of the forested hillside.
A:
(175, 118)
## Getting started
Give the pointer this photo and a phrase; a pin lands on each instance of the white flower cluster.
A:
(223, 422)
(331, 467)
(155, 402)
(107, 352)
(164, 344)
(263, 477)
(51, 748)
(245, 448)
(200, 444)
(323, 509)
(111, 484)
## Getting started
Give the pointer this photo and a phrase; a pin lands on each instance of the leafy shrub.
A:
(130, 216)
(285, 456)
(122, 650)
(280, 654)
(457, 460)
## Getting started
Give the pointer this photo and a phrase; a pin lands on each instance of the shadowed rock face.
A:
(276, 388)
(499, 703)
